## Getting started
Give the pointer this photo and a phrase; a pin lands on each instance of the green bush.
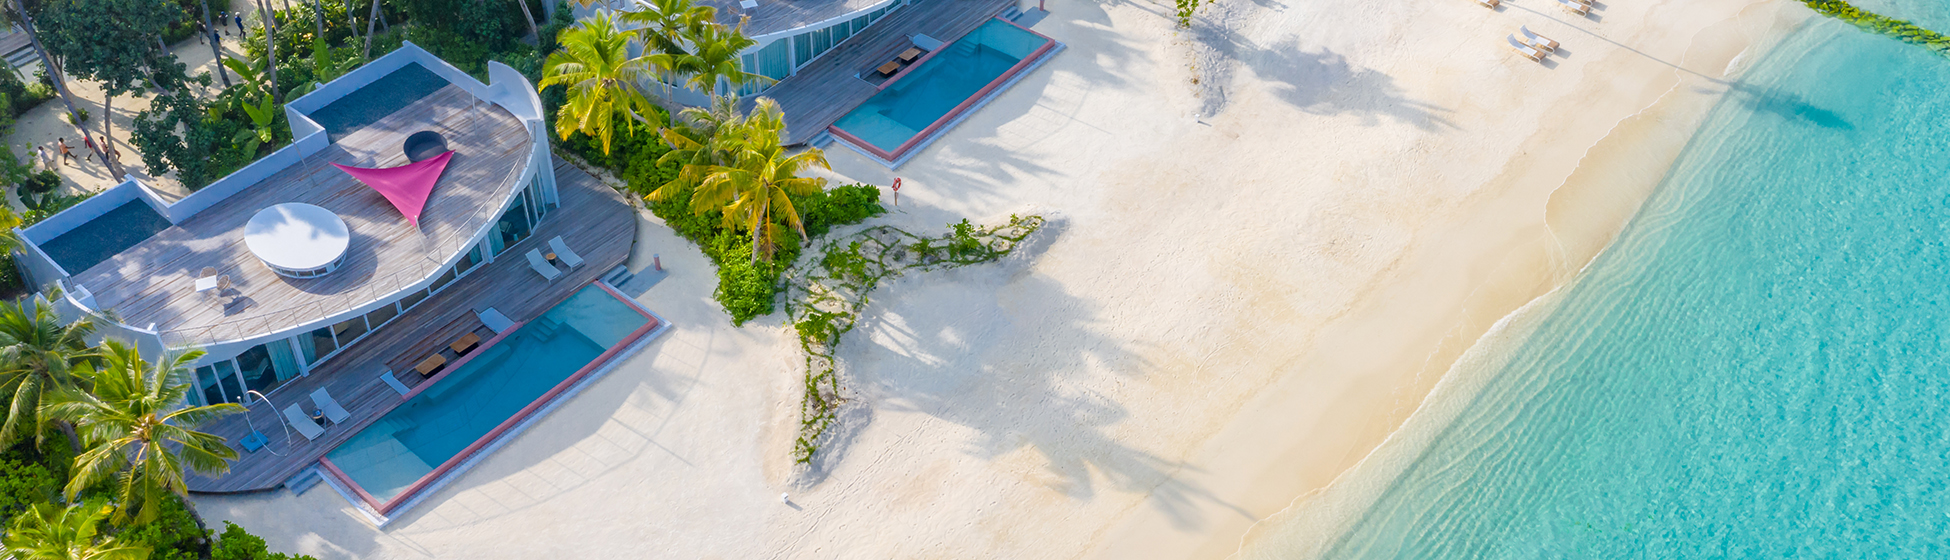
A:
(42, 183)
(23, 480)
(172, 536)
(237, 544)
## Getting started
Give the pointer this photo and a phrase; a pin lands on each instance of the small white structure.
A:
(298, 240)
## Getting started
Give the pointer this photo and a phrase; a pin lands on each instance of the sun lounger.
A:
(1536, 40)
(562, 252)
(542, 266)
(1575, 7)
(1526, 50)
(430, 364)
(387, 377)
(494, 320)
(333, 411)
(299, 421)
(1489, 3)
(465, 343)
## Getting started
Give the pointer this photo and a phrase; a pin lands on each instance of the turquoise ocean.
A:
(1759, 367)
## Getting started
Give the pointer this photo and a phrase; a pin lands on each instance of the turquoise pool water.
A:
(115, 231)
(382, 97)
(1758, 368)
(392, 453)
(926, 94)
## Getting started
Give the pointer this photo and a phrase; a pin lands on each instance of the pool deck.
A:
(829, 88)
(153, 282)
(593, 219)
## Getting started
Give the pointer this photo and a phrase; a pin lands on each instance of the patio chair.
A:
(1526, 50)
(386, 376)
(333, 411)
(299, 421)
(562, 252)
(541, 265)
(1536, 40)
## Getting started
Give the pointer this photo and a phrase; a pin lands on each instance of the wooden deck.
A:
(593, 219)
(827, 89)
(153, 282)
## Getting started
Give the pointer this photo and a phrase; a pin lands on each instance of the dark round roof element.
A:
(424, 145)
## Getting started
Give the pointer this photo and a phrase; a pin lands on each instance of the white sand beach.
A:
(1251, 282)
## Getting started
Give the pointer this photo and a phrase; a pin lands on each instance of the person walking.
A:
(89, 139)
(46, 162)
(240, 23)
(66, 154)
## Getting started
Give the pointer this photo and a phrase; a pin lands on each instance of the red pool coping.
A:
(385, 508)
(936, 126)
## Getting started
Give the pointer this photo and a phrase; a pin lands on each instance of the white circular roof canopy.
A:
(297, 239)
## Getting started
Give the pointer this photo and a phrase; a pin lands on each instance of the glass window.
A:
(317, 344)
(261, 374)
(206, 381)
(822, 40)
(773, 61)
(801, 49)
(227, 376)
(470, 260)
(841, 32)
(380, 316)
(412, 299)
(444, 279)
(861, 22)
(513, 227)
(349, 330)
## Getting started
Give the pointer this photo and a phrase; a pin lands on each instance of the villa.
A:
(370, 291)
(883, 77)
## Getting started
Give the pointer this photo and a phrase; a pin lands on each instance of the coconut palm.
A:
(714, 58)
(140, 434)
(666, 25)
(698, 139)
(755, 188)
(55, 532)
(604, 81)
(38, 357)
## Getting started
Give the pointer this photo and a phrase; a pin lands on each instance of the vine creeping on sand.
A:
(824, 301)
(1872, 22)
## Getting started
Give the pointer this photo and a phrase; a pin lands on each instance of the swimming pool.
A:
(382, 97)
(921, 101)
(448, 418)
(96, 240)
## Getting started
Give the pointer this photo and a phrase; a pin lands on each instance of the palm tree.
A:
(140, 434)
(54, 532)
(38, 356)
(271, 47)
(665, 25)
(25, 21)
(604, 81)
(755, 189)
(9, 240)
(699, 139)
(529, 17)
(714, 58)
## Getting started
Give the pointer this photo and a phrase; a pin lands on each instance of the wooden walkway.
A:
(154, 281)
(593, 219)
(827, 89)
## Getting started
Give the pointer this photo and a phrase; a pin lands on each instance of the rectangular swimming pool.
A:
(451, 416)
(921, 101)
(117, 230)
(382, 97)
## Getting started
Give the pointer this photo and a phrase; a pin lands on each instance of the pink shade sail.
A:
(406, 186)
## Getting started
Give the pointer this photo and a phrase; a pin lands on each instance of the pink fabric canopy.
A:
(406, 186)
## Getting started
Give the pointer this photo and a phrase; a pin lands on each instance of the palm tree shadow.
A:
(1324, 83)
(1787, 105)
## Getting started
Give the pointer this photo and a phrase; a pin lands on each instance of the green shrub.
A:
(172, 536)
(24, 481)
(42, 183)
(237, 544)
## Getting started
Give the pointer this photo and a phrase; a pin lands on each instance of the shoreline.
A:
(1584, 215)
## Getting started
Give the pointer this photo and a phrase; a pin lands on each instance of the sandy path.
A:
(1231, 312)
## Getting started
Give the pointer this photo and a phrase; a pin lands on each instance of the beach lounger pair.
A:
(562, 253)
(296, 417)
(1532, 46)
(1579, 7)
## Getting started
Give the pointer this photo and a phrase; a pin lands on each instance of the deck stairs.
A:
(303, 481)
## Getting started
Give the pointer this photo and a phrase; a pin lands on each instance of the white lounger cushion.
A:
(1575, 7)
(541, 265)
(1527, 50)
(390, 381)
(1536, 40)
(562, 252)
(299, 421)
(333, 411)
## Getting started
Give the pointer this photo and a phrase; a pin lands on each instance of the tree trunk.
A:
(74, 441)
(216, 49)
(366, 55)
(54, 73)
(383, 24)
(530, 18)
(318, 17)
(351, 21)
(287, 5)
(107, 131)
(271, 50)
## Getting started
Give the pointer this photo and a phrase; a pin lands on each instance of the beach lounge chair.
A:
(1526, 50)
(299, 421)
(465, 343)
(333, 411)
(562, 252)
(390, 381)
(1492, 4)
(1575, 7)
(1536, 40)
(429, 365)
(542, 266)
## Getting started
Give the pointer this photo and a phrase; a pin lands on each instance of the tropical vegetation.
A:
(1901, 30)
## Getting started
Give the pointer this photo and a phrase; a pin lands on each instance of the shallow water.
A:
(1758, 367)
